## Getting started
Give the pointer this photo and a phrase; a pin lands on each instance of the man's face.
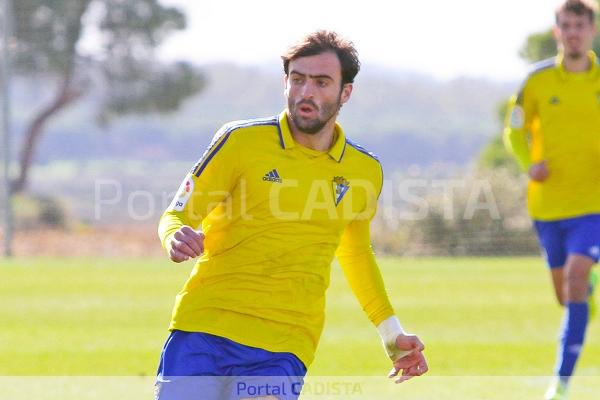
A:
(574, 34)
(314, 92)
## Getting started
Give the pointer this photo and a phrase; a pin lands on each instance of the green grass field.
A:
(79, 328)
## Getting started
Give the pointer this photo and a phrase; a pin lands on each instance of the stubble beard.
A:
(325, 113)
(575, 55)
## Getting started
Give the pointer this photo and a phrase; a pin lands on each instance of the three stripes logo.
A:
(272, 176)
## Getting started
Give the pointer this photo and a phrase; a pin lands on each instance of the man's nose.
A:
(573, 31)
(307, 90)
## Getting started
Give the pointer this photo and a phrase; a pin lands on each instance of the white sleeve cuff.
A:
(389, 330)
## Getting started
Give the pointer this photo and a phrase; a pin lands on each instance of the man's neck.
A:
(579, 64)
(320, 141)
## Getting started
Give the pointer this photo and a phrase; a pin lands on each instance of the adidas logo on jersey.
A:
(272, 176)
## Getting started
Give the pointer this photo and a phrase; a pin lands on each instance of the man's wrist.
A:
(167, 242)
(389, 329)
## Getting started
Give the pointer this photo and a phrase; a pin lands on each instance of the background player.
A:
(553, 128)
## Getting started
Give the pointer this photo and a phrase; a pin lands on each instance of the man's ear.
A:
(346, 92)
(556, 34)
(285, 84)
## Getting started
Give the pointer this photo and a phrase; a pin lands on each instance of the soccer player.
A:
(553, 128)
(266, 208)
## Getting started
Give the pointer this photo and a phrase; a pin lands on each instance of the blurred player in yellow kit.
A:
(266, 208)
(553, 128)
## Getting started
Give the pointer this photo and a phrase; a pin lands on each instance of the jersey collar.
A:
(591, 73)
(287, 141)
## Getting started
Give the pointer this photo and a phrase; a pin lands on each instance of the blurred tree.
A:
(538, 46)
(123, 74)
(495, 155)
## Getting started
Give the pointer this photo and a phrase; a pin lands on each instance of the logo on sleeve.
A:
(183, 194)
(517, 117)
(340, 187)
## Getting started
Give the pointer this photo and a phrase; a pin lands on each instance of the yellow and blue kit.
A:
(556, 117)
(274, 214)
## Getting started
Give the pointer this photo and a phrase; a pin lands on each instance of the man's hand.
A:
(412, 364)
(539, 171)
(185, 244)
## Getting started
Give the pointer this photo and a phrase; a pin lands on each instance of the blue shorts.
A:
(560, 238)
(200, 366)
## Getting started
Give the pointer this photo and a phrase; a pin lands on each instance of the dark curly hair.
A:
(323, 41)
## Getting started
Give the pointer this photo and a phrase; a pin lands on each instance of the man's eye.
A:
(321, 83)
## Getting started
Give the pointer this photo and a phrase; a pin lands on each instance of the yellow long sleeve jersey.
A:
(274, 213)
(556, 117)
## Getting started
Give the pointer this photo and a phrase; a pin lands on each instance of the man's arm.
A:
(208, 183)
(517, 135)
(516, 131)
(357, 260)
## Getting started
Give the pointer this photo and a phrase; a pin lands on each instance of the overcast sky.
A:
(442, 38)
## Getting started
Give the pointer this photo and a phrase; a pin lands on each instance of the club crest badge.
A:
(340, 187)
